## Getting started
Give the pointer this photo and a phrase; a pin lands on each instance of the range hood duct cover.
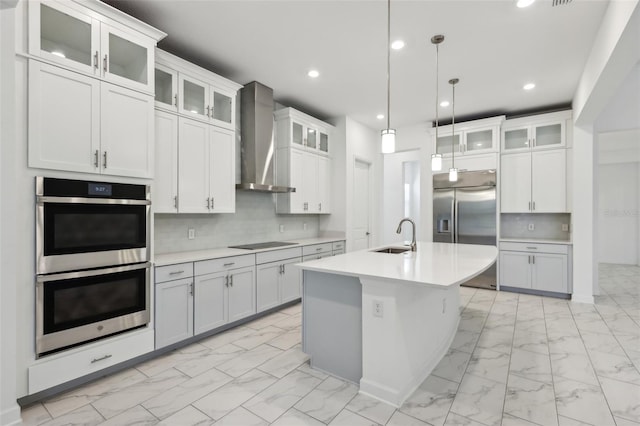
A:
(257, 143)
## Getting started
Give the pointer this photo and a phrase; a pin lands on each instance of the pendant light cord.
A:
(388, 64)
(453, 126)
(437, 91)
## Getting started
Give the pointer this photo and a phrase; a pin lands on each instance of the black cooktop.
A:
(268, 244)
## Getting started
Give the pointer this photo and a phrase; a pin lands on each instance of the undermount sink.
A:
(393, 250)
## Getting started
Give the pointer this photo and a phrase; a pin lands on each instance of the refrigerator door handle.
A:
(454, 214)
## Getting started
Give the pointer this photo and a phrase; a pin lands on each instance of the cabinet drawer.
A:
(223, 264)
(317, 248)
(317, 256)
(336, 252)
(276, 255)
(174, 272)
(80, 362)
(338, 245)
(535, 247)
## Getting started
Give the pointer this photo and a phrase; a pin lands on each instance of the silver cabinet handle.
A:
(96, 155)
(231, 280)
(212, 203)
(319, 207)
(306, 206)
(104, 63)
(529, 205)
(175, 201)
(229, 264)
(207, 110)
(191, 289)
(533, 259)
(319, 249)
(104, 160)
(534, 141)
(102, 358)
(529, 260)
(534, 206)
(226, 281)
(208, 205)
(532, 248)
(176, 272)
(96, 60)
(175, 99)
(283, 270)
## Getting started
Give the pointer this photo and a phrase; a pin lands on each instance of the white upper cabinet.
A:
(165, 193)
(470, 137)
(94, 39)
(544, 131)
(194, 92)
(297, 129)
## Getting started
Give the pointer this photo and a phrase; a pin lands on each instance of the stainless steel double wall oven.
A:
(92, 260)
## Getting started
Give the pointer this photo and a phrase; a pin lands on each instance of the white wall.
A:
(393, 196)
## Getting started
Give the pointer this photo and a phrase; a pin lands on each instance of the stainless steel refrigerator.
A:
(465, 212)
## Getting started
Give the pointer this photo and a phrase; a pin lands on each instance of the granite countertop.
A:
(433, 264)
(216, 253)
(535, 241)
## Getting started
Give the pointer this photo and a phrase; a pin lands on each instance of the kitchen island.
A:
(385, 320)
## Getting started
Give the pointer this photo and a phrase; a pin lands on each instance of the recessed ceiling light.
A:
(444, 104)
(529, 86)
(380, 116)
(313, 73)
(524, 3)
(397, 45)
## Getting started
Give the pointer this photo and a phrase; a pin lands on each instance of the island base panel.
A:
(332, 323)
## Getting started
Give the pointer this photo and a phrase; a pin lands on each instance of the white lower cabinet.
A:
(277, 280)
(174, 311)
(541, 267)
(209, 303)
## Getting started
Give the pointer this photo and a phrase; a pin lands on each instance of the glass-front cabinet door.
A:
(477, 141)
(312, 140)
(324, 142)
(223, 107)
(166, 83)
(297, 133)
(444, 144)
(193, 98)
(127, 60)
(63, 35)
(516, 139)
(548, 135)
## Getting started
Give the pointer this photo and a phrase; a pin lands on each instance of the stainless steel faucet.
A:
(414, 246)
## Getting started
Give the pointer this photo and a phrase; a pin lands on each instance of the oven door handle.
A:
(41, 199)
(91, 273)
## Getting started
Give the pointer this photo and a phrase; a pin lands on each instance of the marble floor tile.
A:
(282, 395)
(178, 397)
(465, 341)
(258, 337)
(348, 418)
(567, 421)
(267, 320)
(327, 399)
(530, 400)
(560, 343)
(246, 361)
(306, 368)
(371, 408)
(574, 367)
(83, 416)
(227, 337)
(532, 342)
(284, 363)
(582, 402)
(624, 422)
(531, 325)
(623, 398)
(601, 342)
(207, 360)
(289, 323)
(530, 365)
(133, 416)
(114, 404)
(431, 401)
(292, 310)
(241, 417)
(454, 419)
(496, 341)
(294, 417)
(188, 416)
(220, 402)
(166, 362)
(452, 366)
(76, 398)
(489, 364)
(35, 414)
(480, 399)
(401, 419)
(618, 367)
(286, 340)
(509, 420)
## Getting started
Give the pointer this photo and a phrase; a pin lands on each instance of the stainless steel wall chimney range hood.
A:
(257, 144)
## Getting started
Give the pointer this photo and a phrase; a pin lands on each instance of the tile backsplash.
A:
(255, 220)
(546, 226)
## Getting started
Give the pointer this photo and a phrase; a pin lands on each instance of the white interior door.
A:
(360, 231)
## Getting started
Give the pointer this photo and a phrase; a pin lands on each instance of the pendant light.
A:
(436, 159)
(388, 134)
(453, 171)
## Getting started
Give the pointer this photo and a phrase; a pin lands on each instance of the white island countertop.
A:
(433, 264)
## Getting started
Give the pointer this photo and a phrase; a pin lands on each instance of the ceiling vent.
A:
(560, 2)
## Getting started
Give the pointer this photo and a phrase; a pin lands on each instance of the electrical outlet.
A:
(281, 228)
(565, 227)
(191, 234)
(531, 227)
(378, 309)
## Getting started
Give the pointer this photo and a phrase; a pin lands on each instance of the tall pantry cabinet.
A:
(91, 84)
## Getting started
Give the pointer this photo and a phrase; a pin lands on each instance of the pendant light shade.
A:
(388, 135)
(453, 171)
(388, 141)
(436, 159)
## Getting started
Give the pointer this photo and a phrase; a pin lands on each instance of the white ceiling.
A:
(492, 46)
